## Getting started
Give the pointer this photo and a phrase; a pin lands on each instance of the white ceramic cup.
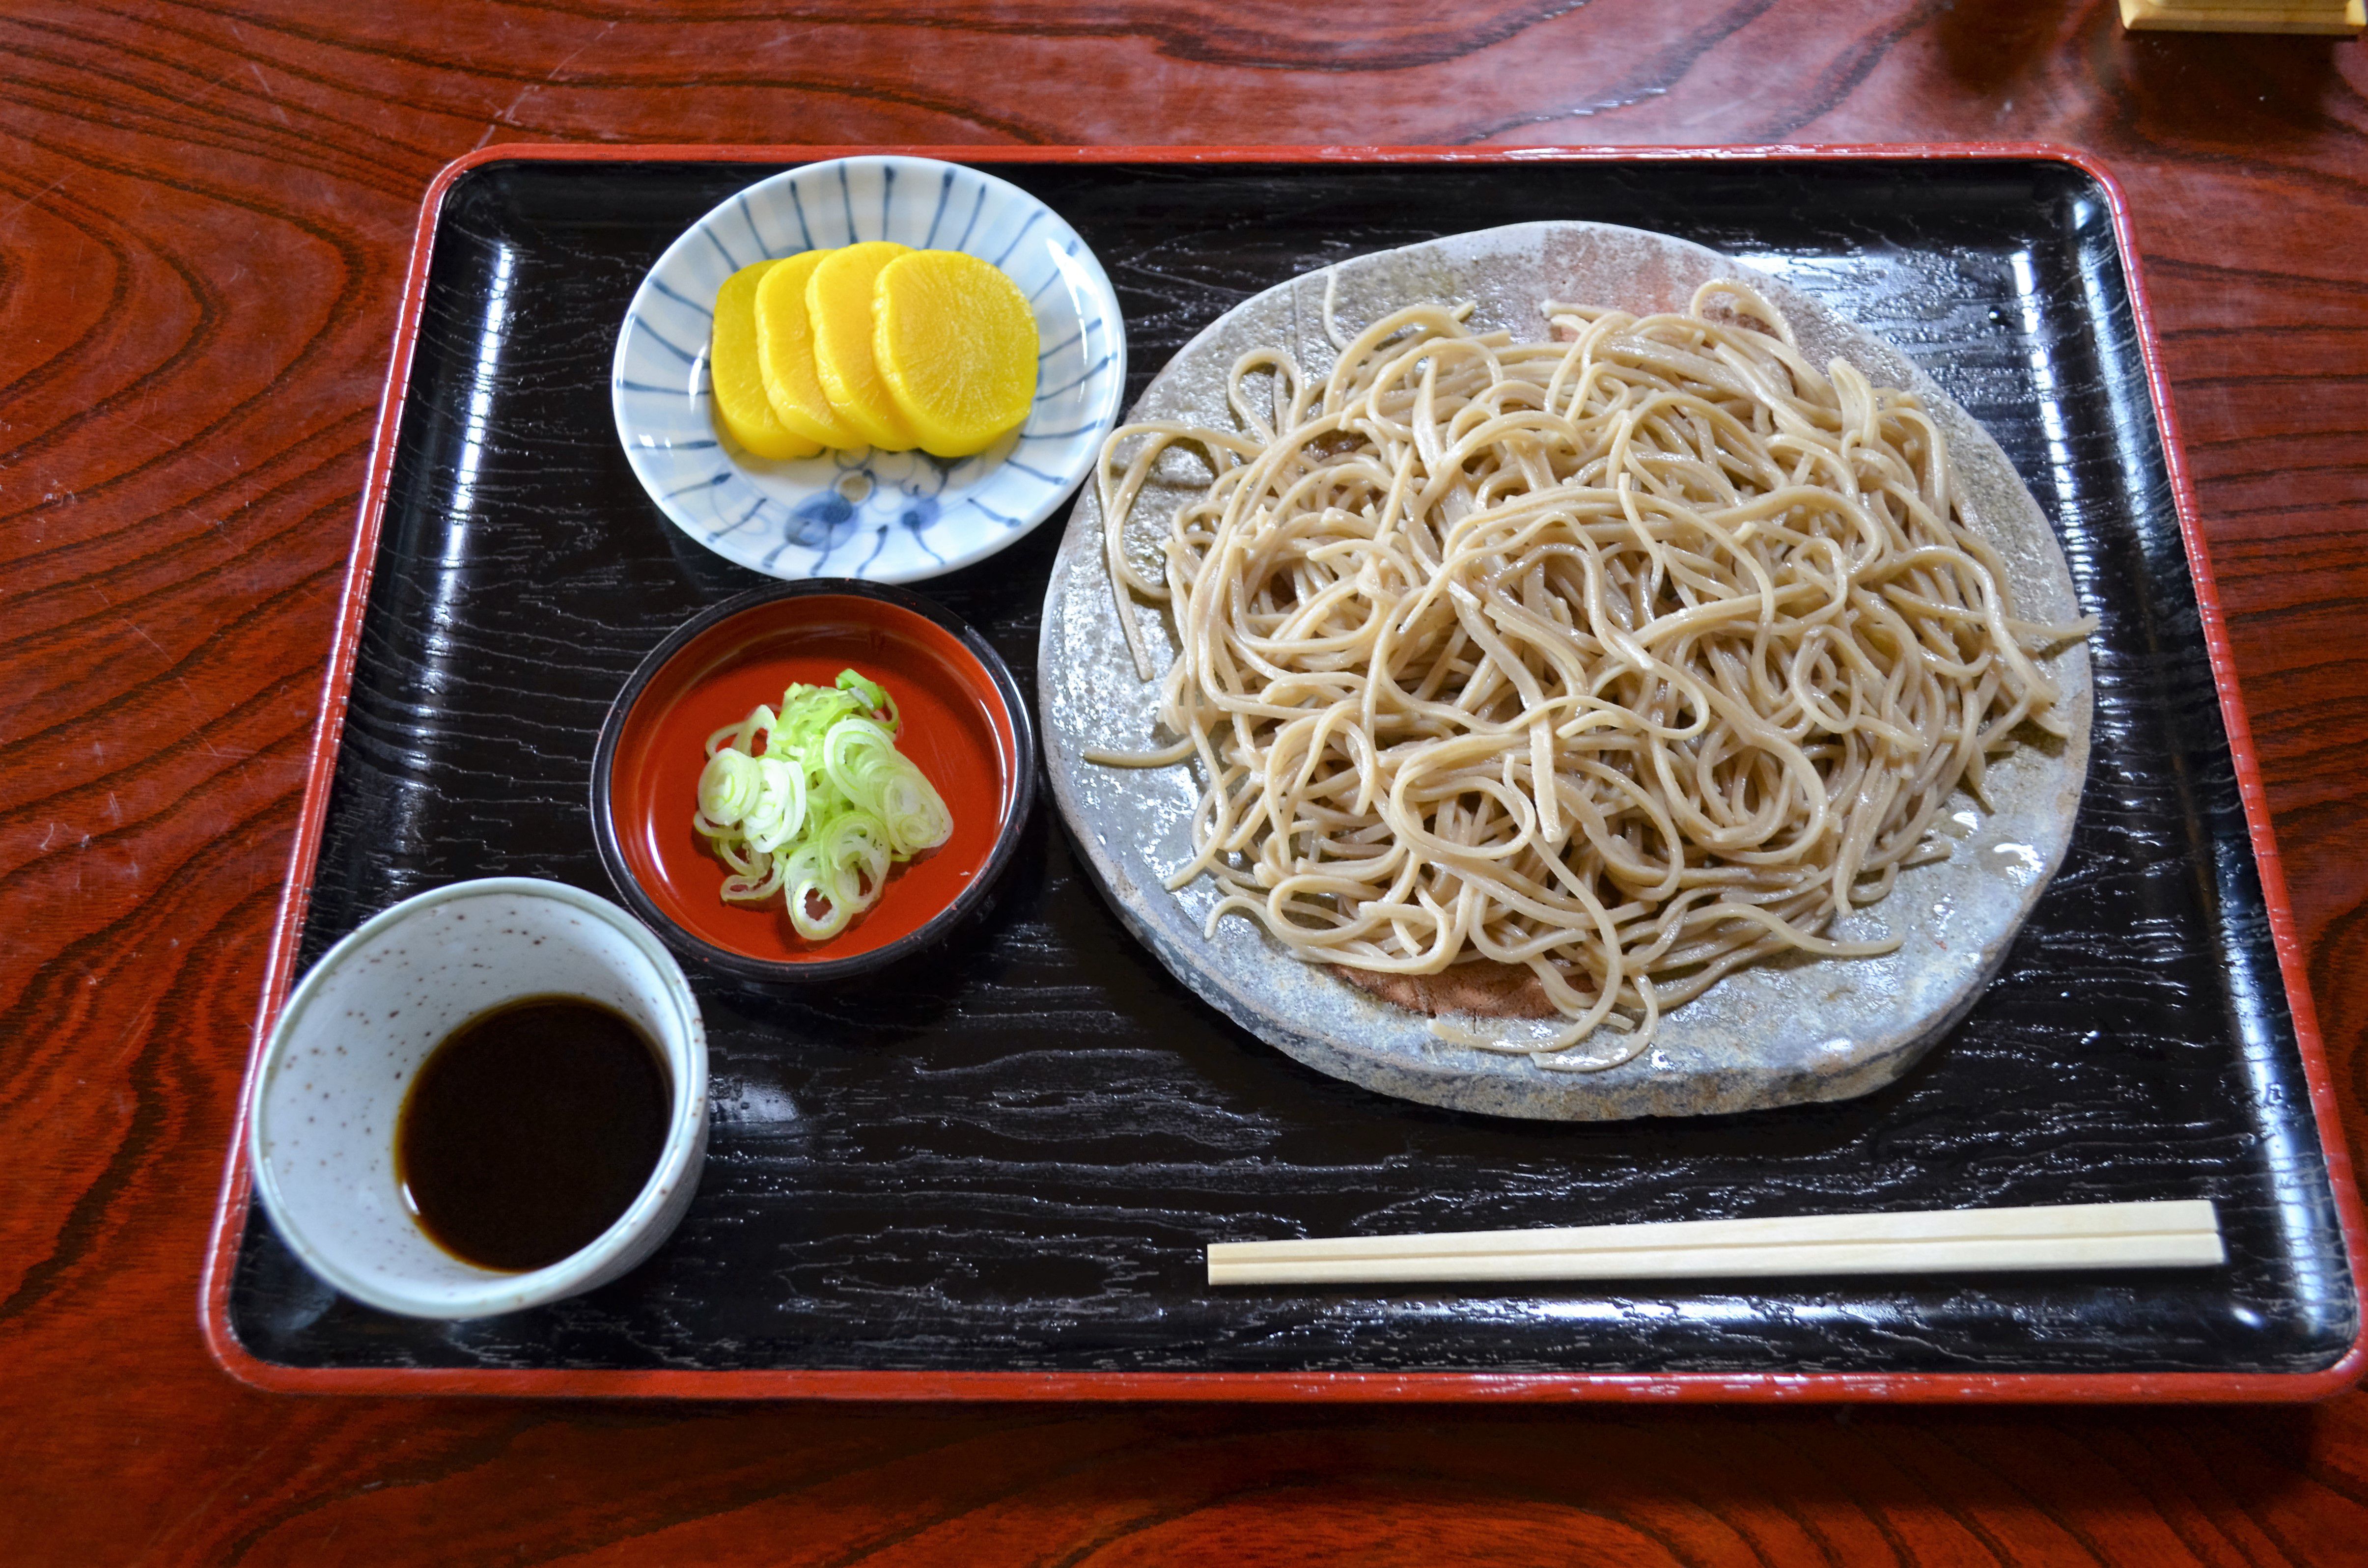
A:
(322, 1109)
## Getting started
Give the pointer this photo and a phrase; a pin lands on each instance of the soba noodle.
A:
(1630, 659)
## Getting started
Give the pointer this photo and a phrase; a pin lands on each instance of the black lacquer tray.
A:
(993, 1172)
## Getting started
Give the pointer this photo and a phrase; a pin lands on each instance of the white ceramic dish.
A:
(888, 517)
(341, 1057)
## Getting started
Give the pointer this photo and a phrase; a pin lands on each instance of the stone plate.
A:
(1777, 1034)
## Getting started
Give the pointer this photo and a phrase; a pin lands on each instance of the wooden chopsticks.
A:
(2180, 1233)
(2340, 18)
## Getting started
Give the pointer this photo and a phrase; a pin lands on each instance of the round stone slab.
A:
(1780, 1033)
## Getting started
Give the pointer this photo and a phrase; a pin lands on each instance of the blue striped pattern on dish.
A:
(890, 516)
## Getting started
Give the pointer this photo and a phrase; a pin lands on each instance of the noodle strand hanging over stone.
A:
(1619, 661)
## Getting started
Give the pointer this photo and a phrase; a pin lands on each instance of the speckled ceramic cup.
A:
(341, 1058)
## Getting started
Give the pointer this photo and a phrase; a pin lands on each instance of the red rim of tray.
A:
(230, 1215)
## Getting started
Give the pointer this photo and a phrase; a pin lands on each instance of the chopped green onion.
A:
(816, 803)
(728, 789)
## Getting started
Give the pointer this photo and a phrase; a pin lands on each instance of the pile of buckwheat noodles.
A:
(1631, 659)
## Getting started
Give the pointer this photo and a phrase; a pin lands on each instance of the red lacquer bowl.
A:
(964, 724)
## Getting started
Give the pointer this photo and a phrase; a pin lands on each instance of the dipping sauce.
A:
(529, 1130)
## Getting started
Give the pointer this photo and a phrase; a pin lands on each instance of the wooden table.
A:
(205, 210)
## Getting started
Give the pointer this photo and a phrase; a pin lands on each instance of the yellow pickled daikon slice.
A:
(741, 406)
(786, 356)
(955, 344)
(838, 302)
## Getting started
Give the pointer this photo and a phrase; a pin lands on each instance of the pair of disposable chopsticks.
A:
(2182, 1233)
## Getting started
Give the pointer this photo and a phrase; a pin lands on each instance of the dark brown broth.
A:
(529, 1129)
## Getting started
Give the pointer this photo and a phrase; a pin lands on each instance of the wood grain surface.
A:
(204, 215)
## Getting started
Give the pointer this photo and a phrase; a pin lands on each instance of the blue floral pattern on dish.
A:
(890, 517)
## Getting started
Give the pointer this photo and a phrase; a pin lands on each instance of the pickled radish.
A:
(785, 357)
(838, 305)
(954, 343)
(741, 406)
